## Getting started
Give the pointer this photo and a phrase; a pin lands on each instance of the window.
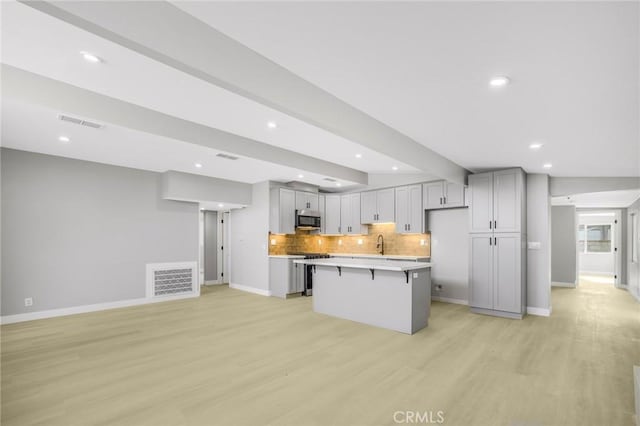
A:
(594, 238)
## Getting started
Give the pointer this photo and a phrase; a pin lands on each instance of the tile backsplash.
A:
(394, 244)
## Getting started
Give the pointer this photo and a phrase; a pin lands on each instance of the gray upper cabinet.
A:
(409, 212)
(331, 224)
(307, 200)
(442, 195)
(507, 201)
(378, 206)
(496, 200)
(282, 211)
(322, 209)
(481, 202)
(350, 215)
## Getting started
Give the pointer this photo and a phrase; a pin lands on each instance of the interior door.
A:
(481, 202)
(481, 271)
(507, 286)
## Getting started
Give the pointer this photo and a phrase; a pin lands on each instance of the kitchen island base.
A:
(397, 300)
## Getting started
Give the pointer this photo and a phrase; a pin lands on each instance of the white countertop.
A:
(286, 256)
(379, 256)
(367, 264)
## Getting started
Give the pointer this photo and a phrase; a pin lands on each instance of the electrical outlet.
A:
(28, 301)
(415, 275)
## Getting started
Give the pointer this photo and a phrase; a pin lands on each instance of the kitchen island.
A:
(394, 295)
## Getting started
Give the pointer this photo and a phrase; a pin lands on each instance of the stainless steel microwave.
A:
(307, 219)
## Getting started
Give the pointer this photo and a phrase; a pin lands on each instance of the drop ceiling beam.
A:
(171, 36)
(63, 97)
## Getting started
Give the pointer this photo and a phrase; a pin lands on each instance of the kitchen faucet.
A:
(380, 245)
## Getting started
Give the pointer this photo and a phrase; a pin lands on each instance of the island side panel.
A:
(421, 298)
(383, 302)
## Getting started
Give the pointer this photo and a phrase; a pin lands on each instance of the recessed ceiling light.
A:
(358, 155)
(198, 165)
(272, 125)
(547, 165)
(300, 176)
(90, 57)
(201, 210)
(220, 205)
(338, 184)
(64, 139)
(394, 168)
(499, 81)
(535, 146)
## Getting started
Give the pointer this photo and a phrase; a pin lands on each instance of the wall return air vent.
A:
(79, 121)
(176, 279)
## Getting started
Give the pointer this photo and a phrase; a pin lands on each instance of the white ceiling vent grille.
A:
(226, 156)
(79, 121)
(172, 280)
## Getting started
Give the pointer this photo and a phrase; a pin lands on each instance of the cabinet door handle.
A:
(444, 200)
(490, 225)
(409, 225)
(490, 242)
(495, 224)
(495, 241)
(440, 200)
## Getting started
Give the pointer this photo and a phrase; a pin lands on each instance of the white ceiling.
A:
(53, 51)
(423, 68)
(34, 128)
(609, 199)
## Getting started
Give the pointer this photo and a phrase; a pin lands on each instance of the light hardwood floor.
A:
(233, 358)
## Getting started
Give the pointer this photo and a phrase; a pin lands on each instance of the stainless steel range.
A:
(308, 271)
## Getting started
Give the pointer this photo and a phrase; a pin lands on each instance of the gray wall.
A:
(450, 252)
(248, 236)
(580, 185)
(210, 246)
(196, 188)
(563, 245)
(77, 233)
(539, 229)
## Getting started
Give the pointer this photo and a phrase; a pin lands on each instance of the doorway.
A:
(599, 246)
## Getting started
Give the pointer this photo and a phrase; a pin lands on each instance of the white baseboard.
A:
(52, 313)
(212, 282)
(450, 300)
(542, 312)
(561, 284)
(250, 289)
(634, 294)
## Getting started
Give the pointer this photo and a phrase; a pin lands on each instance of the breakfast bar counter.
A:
(393, 295)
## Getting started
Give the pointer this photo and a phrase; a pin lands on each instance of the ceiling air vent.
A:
(330, 180)
(226, 156)
(79, 121)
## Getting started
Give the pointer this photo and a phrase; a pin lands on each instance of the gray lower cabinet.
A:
(496, 273)
(285, 277)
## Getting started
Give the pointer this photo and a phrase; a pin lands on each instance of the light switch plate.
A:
(534, 245)
(415, 275)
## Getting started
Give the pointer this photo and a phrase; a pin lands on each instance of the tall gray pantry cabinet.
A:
(497, 243)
